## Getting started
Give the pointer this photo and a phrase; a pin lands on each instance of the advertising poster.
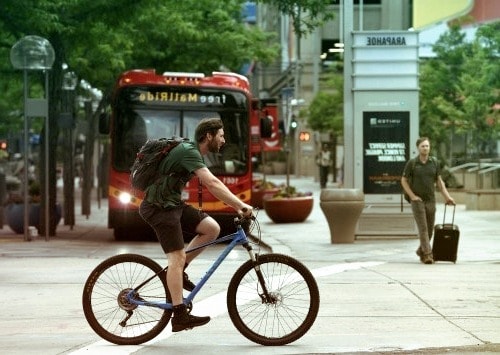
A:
(385, 150)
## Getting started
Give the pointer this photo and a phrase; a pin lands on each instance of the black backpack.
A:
(145, 170)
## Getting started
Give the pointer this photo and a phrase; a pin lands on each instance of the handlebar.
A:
(244, 210)
(240, 218)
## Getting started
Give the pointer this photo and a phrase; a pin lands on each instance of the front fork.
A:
(254, 257)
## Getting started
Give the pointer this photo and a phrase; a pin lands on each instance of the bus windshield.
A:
(165, 115)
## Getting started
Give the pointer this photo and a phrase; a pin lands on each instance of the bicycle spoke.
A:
(106, 300)
(285, 312)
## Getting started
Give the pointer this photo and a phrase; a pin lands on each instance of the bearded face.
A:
(216, 142)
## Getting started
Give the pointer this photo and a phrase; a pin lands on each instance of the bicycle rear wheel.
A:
(281, 314)
(109, 312)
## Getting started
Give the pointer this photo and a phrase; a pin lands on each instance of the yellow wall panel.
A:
(430, 12)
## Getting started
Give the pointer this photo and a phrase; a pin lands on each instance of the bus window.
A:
(130, 136)
(232, 157)
(161, 124)
(191, 119)
(134, 127)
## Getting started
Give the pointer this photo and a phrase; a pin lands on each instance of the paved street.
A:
(376, 297)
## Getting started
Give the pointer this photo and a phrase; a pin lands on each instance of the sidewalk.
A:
(400, 302)
(376, 297)
(479, 232)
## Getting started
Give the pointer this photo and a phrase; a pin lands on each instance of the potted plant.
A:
(262, 189)
(288, 205)
(14, 209)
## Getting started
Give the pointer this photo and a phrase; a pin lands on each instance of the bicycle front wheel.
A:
(107, 307)
(274, 302)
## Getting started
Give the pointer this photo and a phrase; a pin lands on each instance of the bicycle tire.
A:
(292, 310)
(106, 307)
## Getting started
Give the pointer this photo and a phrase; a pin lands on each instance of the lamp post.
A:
(34, 53)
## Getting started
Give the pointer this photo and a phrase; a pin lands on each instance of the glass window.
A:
(134, 127)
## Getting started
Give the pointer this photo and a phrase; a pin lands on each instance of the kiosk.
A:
(385, 109)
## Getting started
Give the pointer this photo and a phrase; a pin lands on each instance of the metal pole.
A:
(25, 169)
(47, 215)
(349, 160)
(287, 141)
(99, 170)
(361, 15)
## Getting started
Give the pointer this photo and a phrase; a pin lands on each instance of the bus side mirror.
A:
(104, 123)
(254, 104)
(266, 127)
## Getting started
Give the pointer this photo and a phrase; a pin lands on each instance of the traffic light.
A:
(293, 123)
(304, 136)
(3, 144)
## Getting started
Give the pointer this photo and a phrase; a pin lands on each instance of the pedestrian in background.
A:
(420, 176)
(324, 161)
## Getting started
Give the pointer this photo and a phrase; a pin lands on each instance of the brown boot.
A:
(428, 259)
(182, 320)
(420, 254)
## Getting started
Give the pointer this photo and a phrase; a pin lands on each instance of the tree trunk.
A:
(54, 95)
(88, 153)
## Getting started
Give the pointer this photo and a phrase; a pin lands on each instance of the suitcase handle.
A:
(453, 217)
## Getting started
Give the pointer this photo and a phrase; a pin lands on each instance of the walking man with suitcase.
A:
(420, 176)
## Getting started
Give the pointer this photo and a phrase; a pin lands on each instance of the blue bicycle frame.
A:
(237, 238)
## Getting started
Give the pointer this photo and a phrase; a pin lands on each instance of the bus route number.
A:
(230, 180)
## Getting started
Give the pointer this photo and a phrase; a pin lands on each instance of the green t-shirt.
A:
(422, 177)
(177, 168)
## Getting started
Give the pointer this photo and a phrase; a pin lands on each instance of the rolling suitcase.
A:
(445, 244)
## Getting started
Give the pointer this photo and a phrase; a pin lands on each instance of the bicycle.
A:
(272, 299)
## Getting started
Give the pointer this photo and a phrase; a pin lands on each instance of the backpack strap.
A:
(435, 161)
(200, 195)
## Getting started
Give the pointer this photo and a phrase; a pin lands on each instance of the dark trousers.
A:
(323, 175)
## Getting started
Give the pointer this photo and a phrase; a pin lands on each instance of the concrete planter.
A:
(289, 209)
(342, 208)
(259, 195)
(14, 215)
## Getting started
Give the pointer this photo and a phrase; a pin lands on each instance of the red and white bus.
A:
(148, 105)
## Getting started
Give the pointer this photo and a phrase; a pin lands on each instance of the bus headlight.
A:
(125, 198)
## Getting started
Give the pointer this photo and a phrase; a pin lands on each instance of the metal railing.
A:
(480, 168)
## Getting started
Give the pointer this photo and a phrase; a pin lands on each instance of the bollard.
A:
(342, 208)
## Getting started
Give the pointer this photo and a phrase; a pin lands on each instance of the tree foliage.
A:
(100, 39)
(306, 15)
(325, 113)
(459, 89)
(97, 40)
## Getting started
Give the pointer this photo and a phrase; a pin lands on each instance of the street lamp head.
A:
(32, 53)
(70, 81)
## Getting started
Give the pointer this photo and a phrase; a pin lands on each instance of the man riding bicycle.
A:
(164, 210)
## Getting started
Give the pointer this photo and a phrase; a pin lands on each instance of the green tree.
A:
(306, 15)
(98, 40)
(459, 88)
(325, 113)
